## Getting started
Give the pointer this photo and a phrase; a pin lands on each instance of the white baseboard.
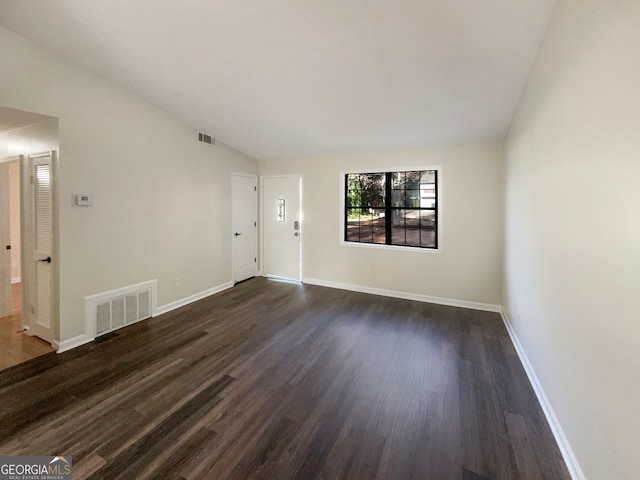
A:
(405, 295)
(84, 338)
(71, 343)
(16, 280)
(192, 298)
(563, 444)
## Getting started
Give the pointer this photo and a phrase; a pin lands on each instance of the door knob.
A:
(48, 260)
(237, 234)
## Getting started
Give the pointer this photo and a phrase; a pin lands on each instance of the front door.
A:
(244, 220)
(281, 217)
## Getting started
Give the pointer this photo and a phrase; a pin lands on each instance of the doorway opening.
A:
(16, 346)
(28, 223)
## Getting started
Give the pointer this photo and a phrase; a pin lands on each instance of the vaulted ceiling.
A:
(287, 78)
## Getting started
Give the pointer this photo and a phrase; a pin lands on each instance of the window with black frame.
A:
(392, 208)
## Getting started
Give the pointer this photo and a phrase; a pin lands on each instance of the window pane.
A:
(428, 176)
(398, 198)
(379, 226)
(412, 198)
(412, 218)
(427, 198)
(406, 189)
(427, 238)
(372, 189)
(428, 228)
(407, 228)
(366, 190)
(366, 225)
(412, 225)
(397, 227)
(353, 225)
(398, 180)
(412, 180)
(428, 219)
(428, 189)
(366, 228)
(353, 190)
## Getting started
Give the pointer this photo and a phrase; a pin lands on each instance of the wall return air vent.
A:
(204, 138)
(115, 309)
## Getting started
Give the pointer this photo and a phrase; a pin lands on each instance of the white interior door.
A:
(40, 287)
(244, 221)
(282, 226)
(5, 242)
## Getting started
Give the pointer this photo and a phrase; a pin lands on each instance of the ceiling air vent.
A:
(203, 137)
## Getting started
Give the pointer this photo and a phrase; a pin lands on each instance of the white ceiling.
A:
(286, 78)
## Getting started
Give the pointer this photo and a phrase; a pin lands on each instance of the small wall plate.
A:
(82, 200)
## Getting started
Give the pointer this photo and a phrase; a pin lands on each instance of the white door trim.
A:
(5, 239)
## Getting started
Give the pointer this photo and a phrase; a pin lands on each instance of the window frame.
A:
(405, 248)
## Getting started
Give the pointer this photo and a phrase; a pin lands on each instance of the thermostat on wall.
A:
(83, 200)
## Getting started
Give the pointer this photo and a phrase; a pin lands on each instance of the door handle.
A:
(237, 234)
(48, 260)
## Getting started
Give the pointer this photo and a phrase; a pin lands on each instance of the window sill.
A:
(388, 247)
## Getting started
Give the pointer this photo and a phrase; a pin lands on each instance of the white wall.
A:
(572, 249)
(161, 199)
(468, 265)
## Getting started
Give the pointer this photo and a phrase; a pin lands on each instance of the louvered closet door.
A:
(42, 301)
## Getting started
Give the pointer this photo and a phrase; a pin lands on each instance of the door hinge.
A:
(255, 259)
(255, 224)
(255, 189)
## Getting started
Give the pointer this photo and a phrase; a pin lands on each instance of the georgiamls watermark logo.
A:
(35, 468)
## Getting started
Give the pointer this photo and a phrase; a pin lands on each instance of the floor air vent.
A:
(111, 310)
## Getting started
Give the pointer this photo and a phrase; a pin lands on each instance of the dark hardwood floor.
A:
(274, 380)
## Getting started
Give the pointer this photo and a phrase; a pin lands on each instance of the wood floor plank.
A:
(15, 345)
(276, 380)
(521, 446)
(178, 464)
(153, 445)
